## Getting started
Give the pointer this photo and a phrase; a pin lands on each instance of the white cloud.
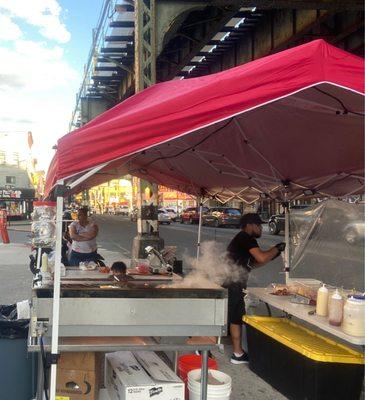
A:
(8, 29)
(37, 84)
(36, 66)
(44, 14)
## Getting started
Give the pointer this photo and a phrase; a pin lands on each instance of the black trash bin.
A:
(17, 367)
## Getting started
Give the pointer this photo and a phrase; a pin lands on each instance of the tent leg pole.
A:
(56, 297)
(39, 257)
(199, 228)
(287, 239)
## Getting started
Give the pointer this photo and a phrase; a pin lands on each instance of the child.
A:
(119, 270)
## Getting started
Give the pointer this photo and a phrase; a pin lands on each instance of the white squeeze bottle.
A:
(322, 301)
(44, 265)
(335, 312)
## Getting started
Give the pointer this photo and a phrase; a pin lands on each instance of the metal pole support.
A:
(56, 296)
(204, 376)
(199, 229)
(287, 241)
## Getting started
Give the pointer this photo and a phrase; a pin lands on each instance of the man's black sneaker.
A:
(239, 360)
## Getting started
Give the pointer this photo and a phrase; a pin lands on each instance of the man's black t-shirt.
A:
(239, 249)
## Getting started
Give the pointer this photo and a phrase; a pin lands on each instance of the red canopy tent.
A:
(291, 121)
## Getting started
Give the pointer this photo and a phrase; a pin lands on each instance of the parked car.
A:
(222, 216)
(164, 217)
(173, 215)
(191, 215)
(277, 221)
(122, 210)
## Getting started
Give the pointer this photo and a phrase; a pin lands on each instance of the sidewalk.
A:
(15, 276)
(21, 226)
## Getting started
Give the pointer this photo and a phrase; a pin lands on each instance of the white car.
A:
(172, 213)
(123, 210)
(164, 217)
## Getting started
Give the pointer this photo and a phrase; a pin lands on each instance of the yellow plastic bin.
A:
(302, 364)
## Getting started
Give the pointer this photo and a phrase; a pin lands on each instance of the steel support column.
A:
(145, 44)
(145, 75)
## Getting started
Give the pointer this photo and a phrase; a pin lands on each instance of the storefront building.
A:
(16, 192)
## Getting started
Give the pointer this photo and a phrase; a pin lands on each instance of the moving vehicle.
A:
(222, 216)
(164, 217)
(191, 215)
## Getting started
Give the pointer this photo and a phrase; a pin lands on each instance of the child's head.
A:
(119, 268)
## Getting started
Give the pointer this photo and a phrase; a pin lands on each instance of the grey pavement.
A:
(115, 241)
(15, 276)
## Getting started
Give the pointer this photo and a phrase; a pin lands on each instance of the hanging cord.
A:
(345, 109)
(45, 369)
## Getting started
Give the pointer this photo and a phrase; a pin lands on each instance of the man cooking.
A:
(83, 233)
(244, 251)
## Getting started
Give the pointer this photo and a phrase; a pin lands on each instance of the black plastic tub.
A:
(301, 364)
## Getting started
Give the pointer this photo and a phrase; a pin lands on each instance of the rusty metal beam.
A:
(145, 44)
(338, 5)
(299, 34)
(195, 48)
(348, 31)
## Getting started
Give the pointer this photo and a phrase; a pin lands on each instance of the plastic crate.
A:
(302, 364)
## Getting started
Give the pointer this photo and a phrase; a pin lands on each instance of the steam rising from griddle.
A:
(213, 268)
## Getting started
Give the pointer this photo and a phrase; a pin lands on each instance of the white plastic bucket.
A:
(216, 391)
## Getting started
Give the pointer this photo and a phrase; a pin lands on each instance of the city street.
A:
(231, 113)
(115, 241)
(116, 234)
(115, 238)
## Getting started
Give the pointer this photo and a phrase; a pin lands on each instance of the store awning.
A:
(292, 122)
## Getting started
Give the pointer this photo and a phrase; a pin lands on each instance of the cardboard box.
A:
(86, 361)
(127, 379)
(78, 376)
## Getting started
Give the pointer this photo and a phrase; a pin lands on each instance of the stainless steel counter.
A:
(92, 304)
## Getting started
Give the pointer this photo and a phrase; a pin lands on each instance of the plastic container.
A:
(219, 385)
(354, 316)
(301, 364)
(322, 301)
(44, 210)
(44, 267)
(335, 310)
(18, 368)
(190, 362)
(44, 233)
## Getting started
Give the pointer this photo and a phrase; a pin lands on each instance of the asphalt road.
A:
(330, 260)
(116, 234)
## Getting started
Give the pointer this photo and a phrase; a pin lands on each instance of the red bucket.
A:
(190, 362)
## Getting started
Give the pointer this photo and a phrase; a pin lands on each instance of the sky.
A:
(44, 46)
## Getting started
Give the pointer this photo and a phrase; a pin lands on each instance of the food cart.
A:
(282, 127)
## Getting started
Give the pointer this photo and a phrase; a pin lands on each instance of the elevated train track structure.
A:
(138, 43)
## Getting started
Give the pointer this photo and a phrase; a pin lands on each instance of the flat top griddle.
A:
(130, 289)
(94, 284)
